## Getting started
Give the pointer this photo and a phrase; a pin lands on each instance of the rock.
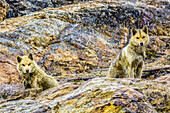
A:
(96, 95)
(7, 90)
(24, 106)
(73, 39)
(164, 79)
(3, 9)
(25, 7)
(78, 41)
(8, 69)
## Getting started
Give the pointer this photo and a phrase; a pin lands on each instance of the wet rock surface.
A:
(78, 41)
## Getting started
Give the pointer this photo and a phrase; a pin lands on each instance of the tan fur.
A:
(130, 61)
(33, 75)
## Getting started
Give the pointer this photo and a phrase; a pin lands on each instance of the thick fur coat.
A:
(34, 77)
(130, 61)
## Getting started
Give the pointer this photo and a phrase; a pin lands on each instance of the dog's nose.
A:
(141, 44)
(27, 71)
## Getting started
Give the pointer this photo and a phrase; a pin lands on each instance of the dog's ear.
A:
(30, 56)
(19, 59)
(145, 29)
(133, 31)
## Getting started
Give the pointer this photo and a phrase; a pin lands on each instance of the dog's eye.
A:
(29, 64)
(137, 37)
(23, 64)
(143, 37)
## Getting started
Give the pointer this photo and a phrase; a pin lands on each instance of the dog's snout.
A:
(27, 71)
(141, 44)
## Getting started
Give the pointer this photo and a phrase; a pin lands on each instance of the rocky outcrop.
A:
(74, 40)
(79, 41)
(96, 95)
(25, 7)
(3, 10)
